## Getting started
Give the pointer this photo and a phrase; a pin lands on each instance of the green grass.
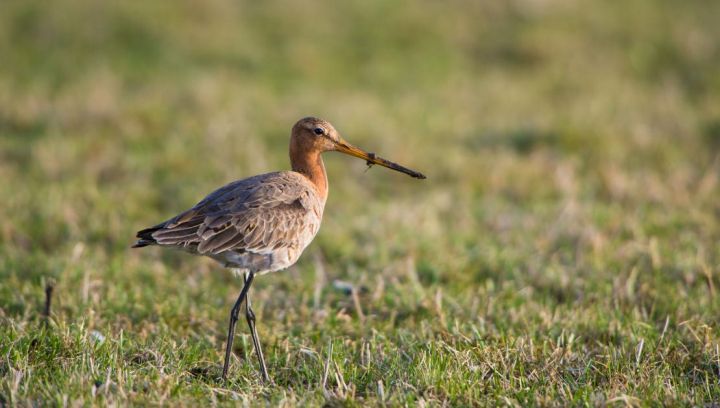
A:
(564, 250)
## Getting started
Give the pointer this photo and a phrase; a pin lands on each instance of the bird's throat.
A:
(310, 164)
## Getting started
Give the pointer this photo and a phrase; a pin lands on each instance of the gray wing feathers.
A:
(259, 214)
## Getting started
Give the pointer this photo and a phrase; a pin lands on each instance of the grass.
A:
(564, 250)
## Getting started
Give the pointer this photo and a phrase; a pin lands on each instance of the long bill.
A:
(370, 158)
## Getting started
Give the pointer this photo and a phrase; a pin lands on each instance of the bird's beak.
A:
(370, 158)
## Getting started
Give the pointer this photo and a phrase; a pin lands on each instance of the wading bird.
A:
(263, 223)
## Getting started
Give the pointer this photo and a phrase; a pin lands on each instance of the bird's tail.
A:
(145, 237)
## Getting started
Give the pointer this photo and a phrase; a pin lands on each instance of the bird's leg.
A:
(250, 315)
(233, 319)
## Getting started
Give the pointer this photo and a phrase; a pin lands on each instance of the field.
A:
(564, 250)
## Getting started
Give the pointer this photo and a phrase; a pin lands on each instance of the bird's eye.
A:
(318, 131)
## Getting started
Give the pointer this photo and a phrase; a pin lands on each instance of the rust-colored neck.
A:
(310, 164)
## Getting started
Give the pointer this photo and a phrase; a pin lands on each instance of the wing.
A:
(259, 214)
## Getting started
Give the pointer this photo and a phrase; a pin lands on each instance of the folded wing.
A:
(259, 215)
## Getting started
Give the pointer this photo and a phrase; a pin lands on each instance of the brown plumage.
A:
(263, 223)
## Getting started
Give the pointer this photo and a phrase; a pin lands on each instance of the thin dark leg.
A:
(233, 319)
(250, 315)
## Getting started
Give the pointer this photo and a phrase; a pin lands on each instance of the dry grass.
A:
(564, 249)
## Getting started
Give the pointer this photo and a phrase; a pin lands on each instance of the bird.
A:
(262, 224)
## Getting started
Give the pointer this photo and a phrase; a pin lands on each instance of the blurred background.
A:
(572, 150)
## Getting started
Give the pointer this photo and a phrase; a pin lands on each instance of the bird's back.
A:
(262, 223)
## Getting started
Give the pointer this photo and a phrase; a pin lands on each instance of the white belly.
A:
(258, 263)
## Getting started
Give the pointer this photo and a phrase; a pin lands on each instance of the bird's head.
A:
(314, 134)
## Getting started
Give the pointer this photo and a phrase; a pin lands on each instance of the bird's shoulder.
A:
(263, 191)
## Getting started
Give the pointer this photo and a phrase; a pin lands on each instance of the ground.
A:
(564, 250)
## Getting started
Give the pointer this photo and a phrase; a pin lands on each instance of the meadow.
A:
(564, 250)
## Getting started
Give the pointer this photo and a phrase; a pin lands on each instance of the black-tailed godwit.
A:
(263, 223)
